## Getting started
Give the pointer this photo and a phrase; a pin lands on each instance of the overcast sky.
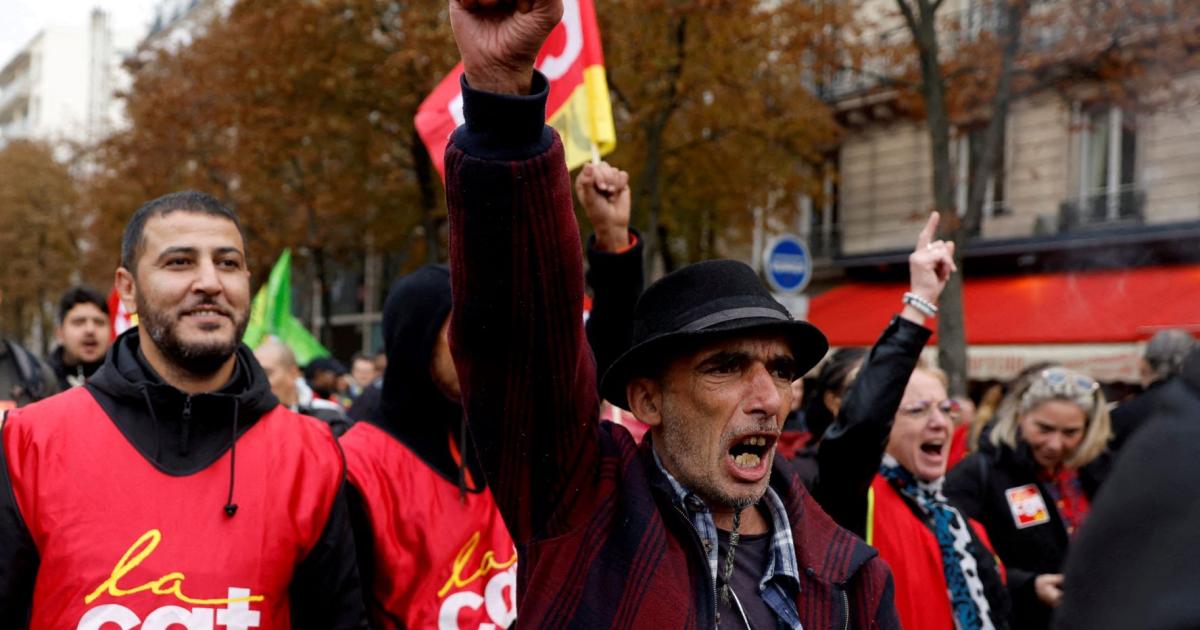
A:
(20, 20)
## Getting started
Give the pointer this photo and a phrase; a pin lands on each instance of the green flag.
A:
(271, 314)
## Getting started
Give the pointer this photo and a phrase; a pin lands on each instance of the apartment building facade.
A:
(1090, 236)
(60, 86)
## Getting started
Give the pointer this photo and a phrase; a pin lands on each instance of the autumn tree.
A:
(300, 115)
(41, 239)
(715, 116)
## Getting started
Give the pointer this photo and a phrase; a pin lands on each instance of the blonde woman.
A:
(1032, 482)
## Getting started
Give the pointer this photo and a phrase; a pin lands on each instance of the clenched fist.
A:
(603, 190)
(499, 40)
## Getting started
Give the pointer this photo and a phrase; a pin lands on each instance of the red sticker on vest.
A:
(1027, 506)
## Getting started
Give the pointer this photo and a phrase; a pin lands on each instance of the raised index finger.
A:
(928, 232)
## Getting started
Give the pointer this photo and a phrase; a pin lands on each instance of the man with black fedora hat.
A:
(699, 526)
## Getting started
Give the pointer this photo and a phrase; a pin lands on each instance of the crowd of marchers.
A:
(660, 461)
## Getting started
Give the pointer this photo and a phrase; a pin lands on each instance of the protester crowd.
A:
(662, 463)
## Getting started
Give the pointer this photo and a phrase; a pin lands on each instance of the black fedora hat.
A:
(700, 302)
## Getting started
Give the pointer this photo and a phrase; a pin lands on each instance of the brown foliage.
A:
(299, 114)
(40, 239)
(714, 115)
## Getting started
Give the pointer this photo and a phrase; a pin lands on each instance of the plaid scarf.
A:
(967, 600)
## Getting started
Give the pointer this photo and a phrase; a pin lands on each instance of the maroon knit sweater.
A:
(601, 543)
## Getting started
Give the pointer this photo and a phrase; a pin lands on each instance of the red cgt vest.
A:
(439, 562)
(125, 546)
(911, 549)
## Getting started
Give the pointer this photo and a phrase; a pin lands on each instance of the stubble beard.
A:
(198, 359)
(682, 442)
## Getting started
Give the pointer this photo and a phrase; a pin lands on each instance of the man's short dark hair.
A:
(360, 356)
(80, 295)
(187, 201)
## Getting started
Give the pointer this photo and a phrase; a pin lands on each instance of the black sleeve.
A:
(326, 593)
(616, 281)
(849, 455)
(18, 556)
(1133, 563)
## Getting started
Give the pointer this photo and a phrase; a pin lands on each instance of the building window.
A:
(969, 150)
(1108, 158)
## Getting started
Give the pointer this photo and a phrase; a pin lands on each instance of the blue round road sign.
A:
(787, 264)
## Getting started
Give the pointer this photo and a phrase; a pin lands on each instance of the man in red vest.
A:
(173, 490)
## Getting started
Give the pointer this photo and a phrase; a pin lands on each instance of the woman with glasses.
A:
(945, 575)
(1031, 484)
(945, 571)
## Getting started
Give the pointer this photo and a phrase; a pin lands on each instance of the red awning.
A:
(1118, 306)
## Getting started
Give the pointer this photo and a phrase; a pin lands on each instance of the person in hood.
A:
(431, 541)
(173, 489)
(82, 336)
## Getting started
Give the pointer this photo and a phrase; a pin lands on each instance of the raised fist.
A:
(499, 40)
(603, 190)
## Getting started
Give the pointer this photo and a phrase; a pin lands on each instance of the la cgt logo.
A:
(232, 612)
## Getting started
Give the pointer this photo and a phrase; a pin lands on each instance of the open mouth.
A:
(749, 452)
(933, 447)
(206, 311)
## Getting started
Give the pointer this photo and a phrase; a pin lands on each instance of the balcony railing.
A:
(1110, 208)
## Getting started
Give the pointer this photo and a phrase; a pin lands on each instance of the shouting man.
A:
(173, 490)
(699, 526)
(82, 336)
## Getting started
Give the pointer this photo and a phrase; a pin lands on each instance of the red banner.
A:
(578, 106)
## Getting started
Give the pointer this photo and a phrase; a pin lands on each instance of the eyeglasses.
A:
(1057, 378)
(924, 408)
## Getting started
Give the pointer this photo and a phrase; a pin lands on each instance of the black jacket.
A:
(24, 378)
(150, 413)
(977, 487)
(847, 458)
(1130, 415)
(1133, 564)
(71, 375)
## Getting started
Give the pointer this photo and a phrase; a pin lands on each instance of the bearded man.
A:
(173, 490)
(701, 525)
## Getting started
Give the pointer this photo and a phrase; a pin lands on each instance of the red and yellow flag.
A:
(119, 319)
(578, 107)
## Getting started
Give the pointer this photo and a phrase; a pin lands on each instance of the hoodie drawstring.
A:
(230, 506)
